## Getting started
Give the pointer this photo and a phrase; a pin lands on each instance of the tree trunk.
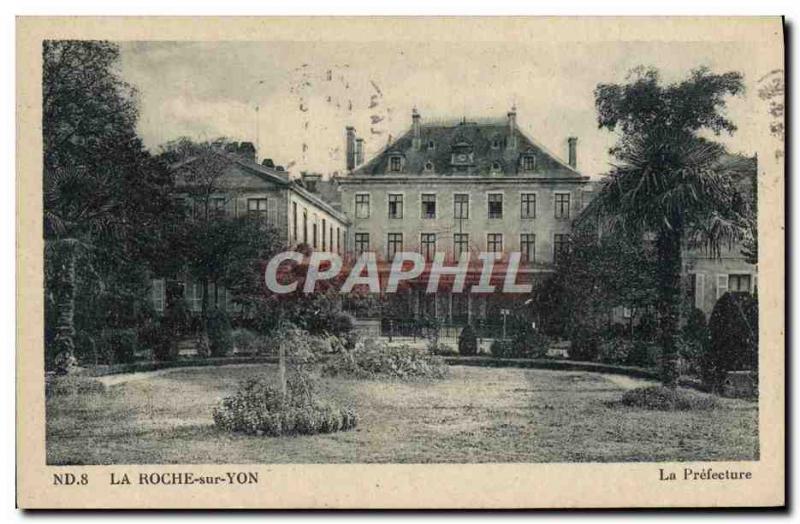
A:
(668, 246)
(65, 321)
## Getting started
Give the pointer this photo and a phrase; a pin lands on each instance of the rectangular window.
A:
(428, 206)
(159, 295)
(257, 207)
(362, 206)
(560, 246)
(739, 283)
(395, 206)
(362, 243)
(495, 205)
(427, 242)
(527, 246)
(528, 163)
(722, 285)
(195, 297)
(461, 206)
(527, 205)
(460, 244)
(394, 244)
(330, 238)
(305, 227)
(294, 221)
(395, 164)
(324, 230)
(562, 205)
(314, 235)
(494, 242)
(338, 240)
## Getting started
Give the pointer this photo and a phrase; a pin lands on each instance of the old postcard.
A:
(400, 262)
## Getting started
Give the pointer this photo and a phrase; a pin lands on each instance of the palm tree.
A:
(71, 219)
(678, 193)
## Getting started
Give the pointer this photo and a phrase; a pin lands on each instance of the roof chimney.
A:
(416, 130)
(512, 128)
(267, 162)
(247, 150)
(350, 147)
(573, 151)
(359, 151)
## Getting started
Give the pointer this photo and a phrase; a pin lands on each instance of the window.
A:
(362, 243)
(257, 207)
(496, 167)
(562, 205)
(338, 240)
(497, 143)
(495, 205)
(722, 285)
(362, 205)
(560, 246)
(305, 227)
(739, 283)
(460, 244)
(294, 221)
(314, 235)
(427, 242)
(195, 297)
(159, 295)
(395, 164)
(527, 205)
(527, 246)
(461, 205)
(699, 290)
(394, 244)
(494, 242)
(395, 206)
(324, 230)
(217, 206)
(429, 166)
(431, 145)
(330, 238)
(528, 163)
(428, 206)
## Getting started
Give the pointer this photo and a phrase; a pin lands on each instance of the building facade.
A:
(465, 186)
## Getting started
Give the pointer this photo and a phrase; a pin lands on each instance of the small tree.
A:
(734, 337)
(468, 341)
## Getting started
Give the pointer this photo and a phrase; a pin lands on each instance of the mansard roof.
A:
(487, 141)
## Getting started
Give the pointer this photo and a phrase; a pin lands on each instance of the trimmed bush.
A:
(501, 348)
(218, 326)
(734, 338)
(259, 408)
(244, 341)
(668, 399)
(468, 341)
(65, 385)
(436, 347)
(118, 346)
(373, 359)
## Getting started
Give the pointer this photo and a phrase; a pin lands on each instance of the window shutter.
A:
(722, 285)
(272, 211)
(699, 290)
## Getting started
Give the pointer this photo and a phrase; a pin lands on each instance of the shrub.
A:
(244, 341)
(668, 399)
(341, 322)
(218, 326)
(468, 341)
(734, 338)
(531, 345)
(436, 347)
(160, 340)
(501, 348)
(647, 329)
(693, 343)
(644, 354)
(584, 343)
(118, 346)
(259, 408)
(64, 385)
(373, 359)
(614, 350)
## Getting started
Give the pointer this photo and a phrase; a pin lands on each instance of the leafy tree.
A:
(734, 337)
(104, 196)
(668, 180)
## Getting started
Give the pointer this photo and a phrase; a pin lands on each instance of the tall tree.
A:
(668, 180)
(104, 195)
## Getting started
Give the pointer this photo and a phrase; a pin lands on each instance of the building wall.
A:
(709, 277)
(511, 225)
(316, 215)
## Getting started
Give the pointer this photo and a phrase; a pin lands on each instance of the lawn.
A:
(475, 415)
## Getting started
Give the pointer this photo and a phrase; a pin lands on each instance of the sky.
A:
(294, 99)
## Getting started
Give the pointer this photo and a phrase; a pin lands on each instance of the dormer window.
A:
(431, 145)
(428, 166)
(529, 163)
(498, 143)
(462, 154)
(496, 167)
(395, 163)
